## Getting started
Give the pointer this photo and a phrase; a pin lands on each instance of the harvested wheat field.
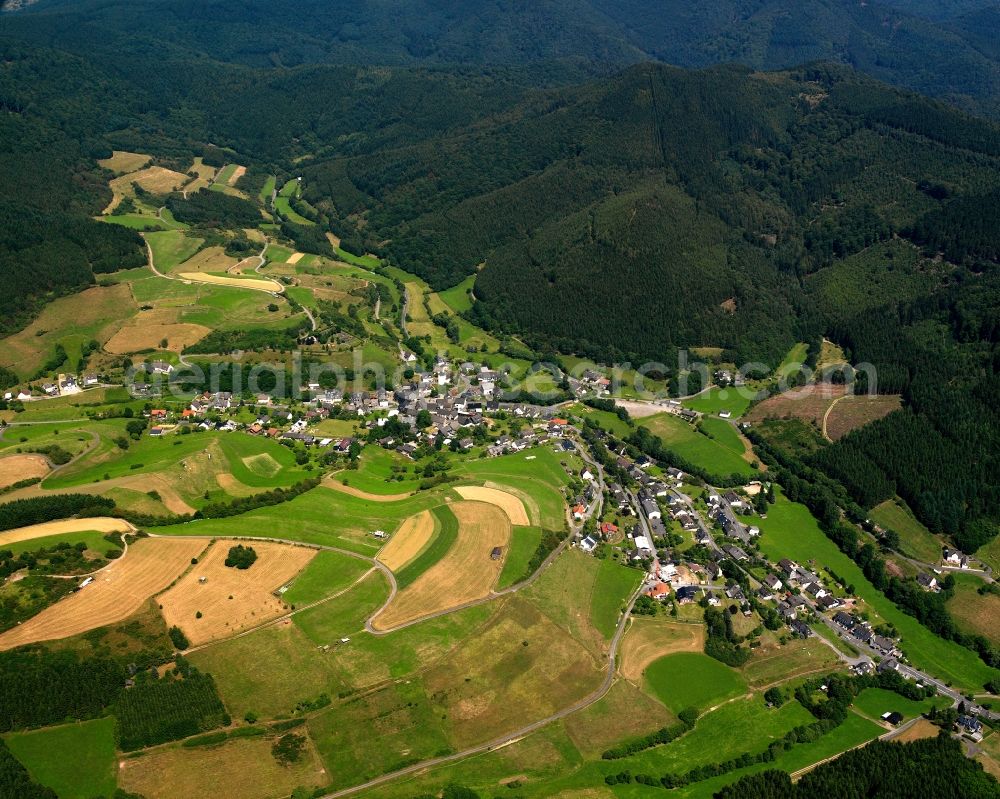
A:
(239, 172)
(465, 573)
(243, 768)
(154, 179)
(15, 468)
(102, 524)
(228, 483)
(122, 161)
(221, 280)
(336, 485)
(295, 257)
(209, 259)
(408, 542)
(231, 600)
(921, 728)
(650, 639)
(141, 336)
(507, 502)
(149, 566)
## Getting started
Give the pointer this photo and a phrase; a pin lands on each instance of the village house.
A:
(659, 591)
(927, 581)
(687, 594)
(956, 558)
(844, 620)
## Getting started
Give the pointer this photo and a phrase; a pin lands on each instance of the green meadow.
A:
(77, 761)
(723, 433)
(171, 248)
(327, 573)
(458, 296)
(367, 261)
(615, 583)
(691, 679)
(377, 472)
(95, 541)
(266, 190)
(873, 702)
(536, 475)
(716, 400)
(523, 543)
(609, 421)
(322, 516)
(344, 616)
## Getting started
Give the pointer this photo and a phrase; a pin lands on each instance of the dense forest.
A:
(944, 49)
(881, 770)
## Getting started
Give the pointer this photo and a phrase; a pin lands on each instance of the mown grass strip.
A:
(447, 534)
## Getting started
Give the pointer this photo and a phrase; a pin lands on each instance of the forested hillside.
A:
(621, 215)
(946, 50)
(663, 208)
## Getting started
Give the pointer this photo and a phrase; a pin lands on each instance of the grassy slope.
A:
(375, 472)
(915, 539)
(979, 615)
(94, 540)
(321, 516)
(344, 616)
(171, 248)
(457, 297)
(536, 472)
(714, 456)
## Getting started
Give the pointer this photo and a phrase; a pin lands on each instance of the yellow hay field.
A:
(122, 161)
(408, 542)
(102, 524)
(209, 259)
(243, 283)
(15, 468)
(239, 172)
(230, 599)
(139, 337)
(149, 566)
(295, 257)
(466, 572)
(154, 179)
(507, 502)
(243, 768)
(228, 483)
(648, 640)
(922, 728)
